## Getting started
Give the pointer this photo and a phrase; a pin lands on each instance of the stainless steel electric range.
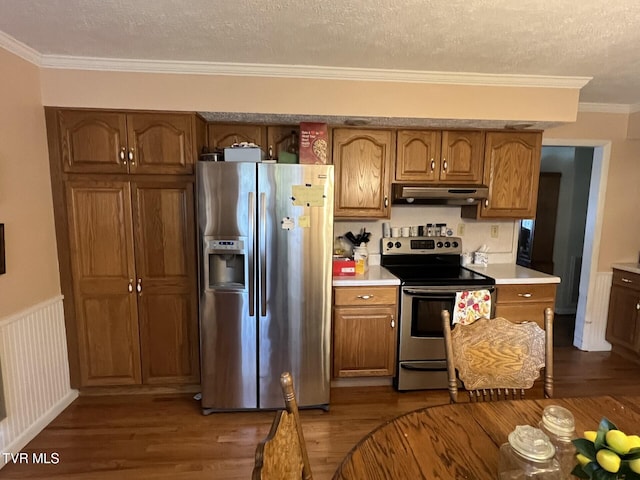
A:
(430, 274)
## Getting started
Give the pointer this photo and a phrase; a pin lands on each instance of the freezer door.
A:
(295, 228)
(228, 316)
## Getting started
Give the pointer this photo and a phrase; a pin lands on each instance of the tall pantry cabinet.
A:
(124, 207)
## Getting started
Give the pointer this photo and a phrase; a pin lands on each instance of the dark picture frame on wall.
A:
(3, 266)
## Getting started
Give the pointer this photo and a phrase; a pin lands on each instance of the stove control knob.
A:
(439, 244)
(398, 244)
(389, 244)
(455, 244)
(447, 244)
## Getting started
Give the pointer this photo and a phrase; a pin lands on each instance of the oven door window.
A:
(426, 314)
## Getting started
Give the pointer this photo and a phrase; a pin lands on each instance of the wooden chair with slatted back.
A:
(282, 455)
(498, 359)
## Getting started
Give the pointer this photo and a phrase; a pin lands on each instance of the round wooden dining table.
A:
(462, 440)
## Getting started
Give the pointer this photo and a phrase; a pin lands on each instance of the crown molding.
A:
(306, 71)
(587, 107)
(20, 49)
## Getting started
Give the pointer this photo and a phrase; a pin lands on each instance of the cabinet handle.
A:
(444, 165)
(486, 203)
(638, 306)
(130, 285)
(525, 295)
(433, 164)
(386, 201)
(131, 156)
(123, 157)
(393, 322)
(365, 297)
(626, 280)
(139, 286)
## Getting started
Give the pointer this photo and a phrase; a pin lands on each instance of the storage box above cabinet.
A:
(116, 142)
(444, 157)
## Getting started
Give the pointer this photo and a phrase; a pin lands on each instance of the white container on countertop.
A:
(361, 257)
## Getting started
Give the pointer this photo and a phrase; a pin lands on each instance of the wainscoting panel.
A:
(35, 372)
(590, 334)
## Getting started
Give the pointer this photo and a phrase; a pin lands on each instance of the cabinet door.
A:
(102, 258)
(418, 155)
(160, 143)
(166, 281)
(283, 138)
(511, 170)
(622, 323)
(92, 142)
(364, 341)
(462, 157)
(362, 160)
(224, 135)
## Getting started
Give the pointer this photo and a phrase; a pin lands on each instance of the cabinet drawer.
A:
(363, 296)
(626, 279)
(532, 312)
(544, 292)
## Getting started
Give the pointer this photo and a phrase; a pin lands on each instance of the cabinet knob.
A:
(123, 157)
(139, 286)
(444, 165)
(525, 295)
(638, 306)
(131, 156)
(365, 297)
(393, 322)
(486, 203)
(130, 285)
(433, 164)
(386, 201)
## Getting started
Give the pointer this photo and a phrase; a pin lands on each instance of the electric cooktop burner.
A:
(429, 261)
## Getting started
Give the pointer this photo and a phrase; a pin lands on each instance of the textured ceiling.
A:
(584, 38)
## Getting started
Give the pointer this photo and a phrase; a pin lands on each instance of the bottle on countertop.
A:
(361, 257)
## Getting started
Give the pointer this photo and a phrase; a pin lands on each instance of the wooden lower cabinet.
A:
(364, 331)
(623, 322)
(525, 302)
(133, 272)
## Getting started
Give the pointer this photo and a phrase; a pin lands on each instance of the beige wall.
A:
(305, 96)
(26, 206)
(620, 241)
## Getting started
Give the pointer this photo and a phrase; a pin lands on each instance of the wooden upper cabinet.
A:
(92, 142)
(444, 157)
(511, 171)
(160, 143)
(223, 135)
(362, 161)
(117, 142)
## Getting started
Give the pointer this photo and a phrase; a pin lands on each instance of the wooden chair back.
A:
(498, 359)
(282, 455)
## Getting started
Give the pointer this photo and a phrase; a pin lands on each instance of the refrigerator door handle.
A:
(252, 286)
(263, 254)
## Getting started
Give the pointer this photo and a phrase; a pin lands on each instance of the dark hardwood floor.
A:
(166, 437)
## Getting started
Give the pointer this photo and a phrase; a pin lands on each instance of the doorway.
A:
(555, 241)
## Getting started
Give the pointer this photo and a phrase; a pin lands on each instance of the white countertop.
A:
(510, 273)
(376, 275)
(627, 267)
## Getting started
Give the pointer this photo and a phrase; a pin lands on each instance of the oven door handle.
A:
(430, 291)
(425, 366)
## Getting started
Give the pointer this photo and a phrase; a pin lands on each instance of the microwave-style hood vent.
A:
(438, 194)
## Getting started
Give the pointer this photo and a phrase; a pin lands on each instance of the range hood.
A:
(438, 194)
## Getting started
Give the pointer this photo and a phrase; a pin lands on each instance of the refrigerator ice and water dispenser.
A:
(226, 264)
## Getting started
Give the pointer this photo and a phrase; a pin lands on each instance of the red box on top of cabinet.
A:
(344, 266)
(314, 143)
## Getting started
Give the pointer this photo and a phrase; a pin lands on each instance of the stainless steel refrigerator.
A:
(265, 283)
